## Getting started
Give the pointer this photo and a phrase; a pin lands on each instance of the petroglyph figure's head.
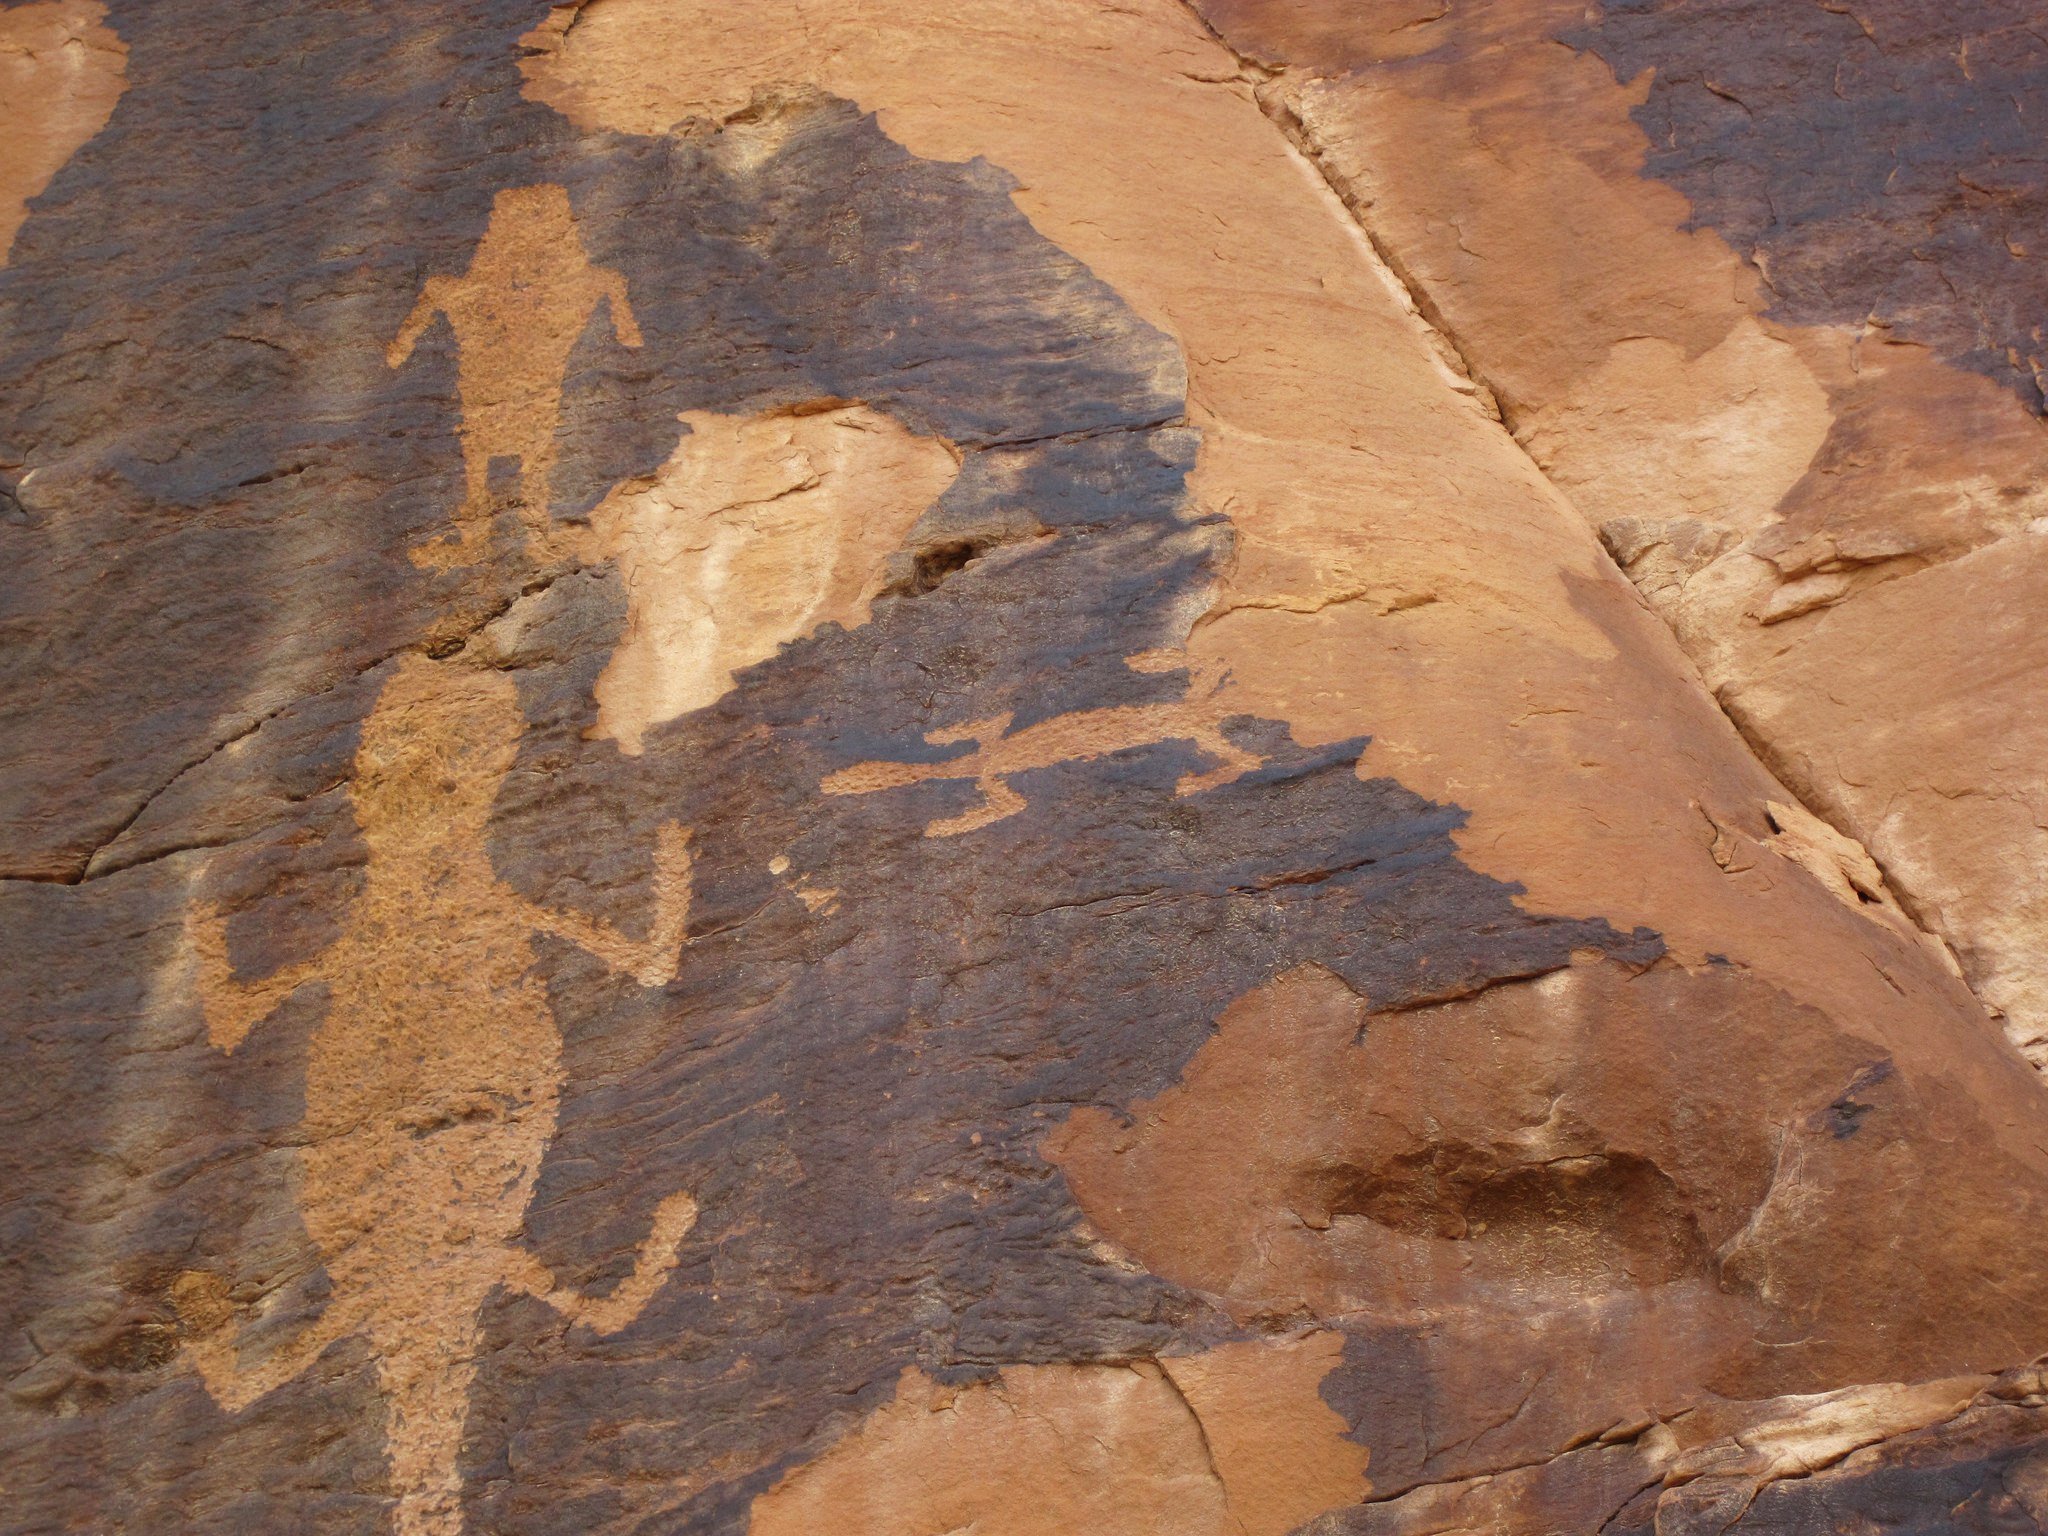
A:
(433, 753)
(526, 217)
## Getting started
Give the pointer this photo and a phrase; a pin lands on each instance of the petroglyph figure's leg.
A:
(482, 440)
(233, 1008)
(467, 546)
(673, 1219)
(867, 778)
(527, 1276)
(990, 730)
(533, 507)
(997, 801)
(624, 325)
(651, 963)
(426, 1380)
(536, 477)
(1155, 663)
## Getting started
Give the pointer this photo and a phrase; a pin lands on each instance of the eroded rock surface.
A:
(1759, 288)
(780, 768)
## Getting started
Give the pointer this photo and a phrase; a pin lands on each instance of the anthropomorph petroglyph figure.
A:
(431, 1083)
(1196, 717)
(516, 313)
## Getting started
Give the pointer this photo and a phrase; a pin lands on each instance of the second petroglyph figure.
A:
(517, 313)
(1090, 733)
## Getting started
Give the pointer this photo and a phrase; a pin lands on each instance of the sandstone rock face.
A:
(785, 767)
(1759, 287)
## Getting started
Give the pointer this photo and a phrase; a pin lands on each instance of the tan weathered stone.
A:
(60, 75)
(1230, 973)
(757, 531)
(1232, 1442)
(1319, 396)
(1760, 480)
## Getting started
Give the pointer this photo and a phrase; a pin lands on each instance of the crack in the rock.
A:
(84, 872)
(1258, 886)
(1136, 899)
(1315, 875)
(1780, 768)
(1264, 77)
(1513, 1413)
(1486, 1474)
(1619, 1509)
(197, 845)
(1073, 435)
(1201, 1435)
(1421, 304)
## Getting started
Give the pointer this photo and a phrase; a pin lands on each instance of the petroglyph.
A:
(1085, 734)
(61, 71)
(432, 1083)
(517, 313)
(758, 530)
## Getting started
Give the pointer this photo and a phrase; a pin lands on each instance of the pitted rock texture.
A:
(780, 768)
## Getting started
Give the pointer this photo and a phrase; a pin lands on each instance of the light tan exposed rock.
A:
(1232, 1442)
(1344, 451)
(60, 75)
(758, 530)
(1710, 1485)
(1279, 1450)
(1760, 480)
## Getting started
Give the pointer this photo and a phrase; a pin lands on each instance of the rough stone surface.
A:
(1759, 289)
(888, 768)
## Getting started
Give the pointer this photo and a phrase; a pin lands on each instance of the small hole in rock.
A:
(935, 562)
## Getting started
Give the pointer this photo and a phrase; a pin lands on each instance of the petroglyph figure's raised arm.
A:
(233, 1008)
(432, 301)
(673, 1219)
(651, 962)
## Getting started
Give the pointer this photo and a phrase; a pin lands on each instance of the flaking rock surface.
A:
(889, 768)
